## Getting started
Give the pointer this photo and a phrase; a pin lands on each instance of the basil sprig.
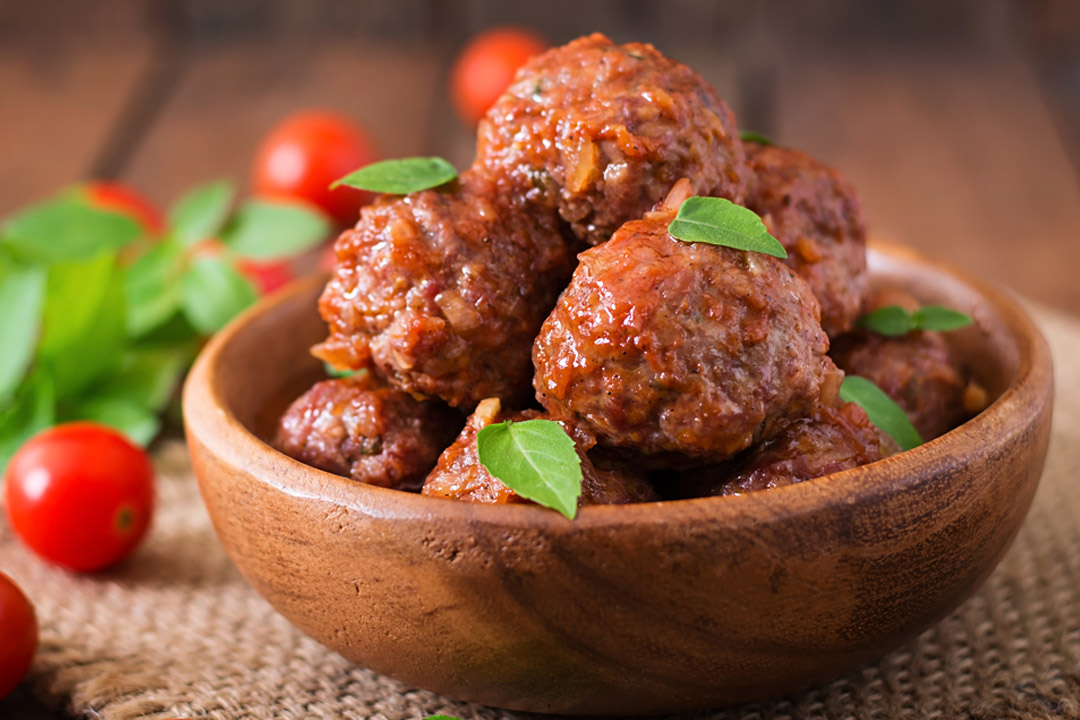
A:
(889, 417)
(893, 320)
(99, 322)
(400, 177)
(717, 221)
(536, 459)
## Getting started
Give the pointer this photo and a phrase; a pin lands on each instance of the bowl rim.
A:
(208, 420)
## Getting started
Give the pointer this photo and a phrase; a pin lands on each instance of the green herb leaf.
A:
(176, 331)
(133, 419)
(66, 229)
(942, 319)
(721, 222)
(441, 717)
(754, 137)
(271, 230)
(22, 295)
(400, 177)
(214, 293)
(201, 213)
(882, 411)
(536, 459)
(333, 372)
(893, 320)
(146, 376)
(83, 322)
(32, 411)
(153, 289)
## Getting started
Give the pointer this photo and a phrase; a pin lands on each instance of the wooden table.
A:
(953, 146)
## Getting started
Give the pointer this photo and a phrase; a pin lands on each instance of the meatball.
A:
(459, 474)
(815, 214)
(367, 431)
(687, 352)
(602, 131)
(443, 292)
(916, 370)
(834, 439)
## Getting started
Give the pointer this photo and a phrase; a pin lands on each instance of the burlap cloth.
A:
(175, 631)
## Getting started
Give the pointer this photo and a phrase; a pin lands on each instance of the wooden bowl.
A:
(635, 609)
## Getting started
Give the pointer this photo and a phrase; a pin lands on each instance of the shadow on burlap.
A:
(176, 632)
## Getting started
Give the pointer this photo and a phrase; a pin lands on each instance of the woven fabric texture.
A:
(176, 632)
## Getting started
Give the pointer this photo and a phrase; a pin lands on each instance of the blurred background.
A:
(957, 120)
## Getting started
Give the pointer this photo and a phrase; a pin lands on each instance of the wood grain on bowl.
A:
(639, 609)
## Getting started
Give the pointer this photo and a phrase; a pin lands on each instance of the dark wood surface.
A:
(954, 120)
(954, 124)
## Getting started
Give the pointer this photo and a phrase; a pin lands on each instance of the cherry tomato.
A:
(486, 67)
(123, 199)
(303, 154)
(80, 495)
(19, 634)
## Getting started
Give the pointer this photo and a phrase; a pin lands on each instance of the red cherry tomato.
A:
(303, 154)
(80, 495)
(123, 199)
(18, 635)
(486, 67)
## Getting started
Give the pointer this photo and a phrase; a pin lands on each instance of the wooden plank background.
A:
(953, 119)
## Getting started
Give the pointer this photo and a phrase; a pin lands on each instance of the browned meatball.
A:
(916, 370)
(443, 291)
(602, 131)
(834, 439)
(459, 474)
(680, 350)
(814, 212)
(362, 429)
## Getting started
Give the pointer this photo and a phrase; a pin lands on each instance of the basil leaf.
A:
(271, 230)
(717, 221)
(66, 230)
(942, 319)
(754, 137)
(441, 717)
(400, 177)
(22, 295)
(536, 459)
(176, 331)
(140, 424)
(201, 213)
(891, 321)
(333, 372)
(882, 411)
(83, 322)
(214, 293)
(152, 287)
(146, 376)
(32, 411)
